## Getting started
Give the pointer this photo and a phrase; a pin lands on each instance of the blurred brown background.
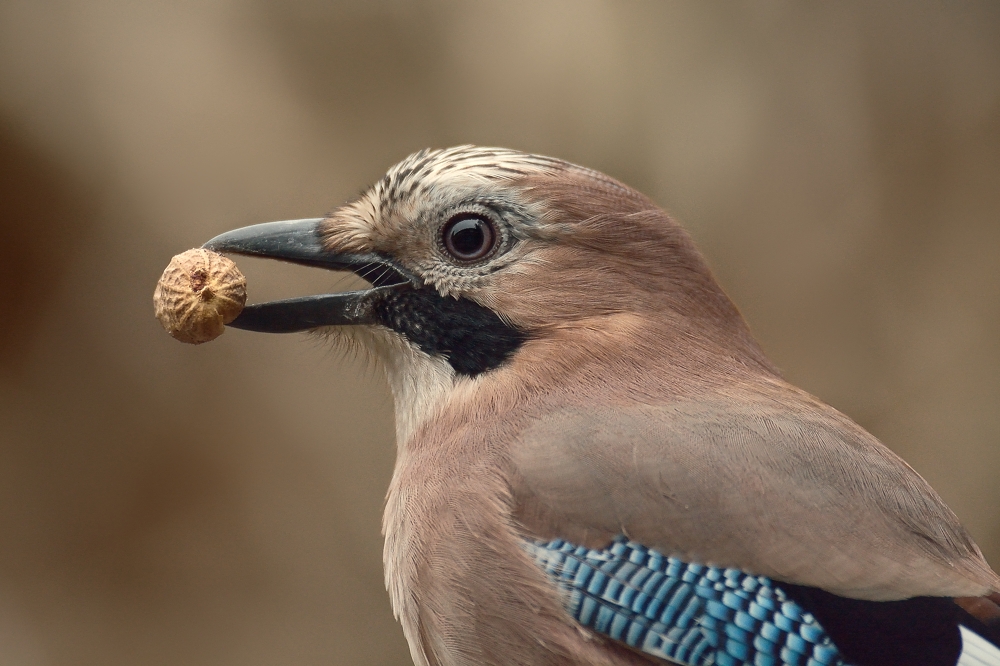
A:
(839, 163)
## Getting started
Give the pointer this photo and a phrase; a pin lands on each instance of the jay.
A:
(597, 464)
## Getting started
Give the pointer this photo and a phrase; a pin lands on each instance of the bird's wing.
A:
(681, 612)
(796, 493)
(695, 615)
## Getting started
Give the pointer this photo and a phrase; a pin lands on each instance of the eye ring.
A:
(469, 237)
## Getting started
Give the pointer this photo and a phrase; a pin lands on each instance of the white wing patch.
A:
(977, 651)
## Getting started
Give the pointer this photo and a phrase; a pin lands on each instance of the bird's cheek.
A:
(535, 302)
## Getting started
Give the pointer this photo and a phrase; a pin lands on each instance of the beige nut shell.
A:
(198, 294)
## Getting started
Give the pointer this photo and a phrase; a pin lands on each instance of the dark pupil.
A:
(469, 238)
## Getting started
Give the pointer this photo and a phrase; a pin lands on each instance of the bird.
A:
(597, 464)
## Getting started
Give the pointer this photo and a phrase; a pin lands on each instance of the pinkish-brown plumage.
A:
(639, 404)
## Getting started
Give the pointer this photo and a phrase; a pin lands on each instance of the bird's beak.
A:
(300, 242)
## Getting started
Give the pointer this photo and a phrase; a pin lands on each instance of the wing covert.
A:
(686, 613)
(797, 493)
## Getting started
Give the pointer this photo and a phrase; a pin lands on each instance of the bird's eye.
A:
(468, 237)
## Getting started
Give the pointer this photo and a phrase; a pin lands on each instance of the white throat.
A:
(420, 383)
(421, 386)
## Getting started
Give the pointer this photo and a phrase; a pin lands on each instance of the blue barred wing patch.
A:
(691, 614)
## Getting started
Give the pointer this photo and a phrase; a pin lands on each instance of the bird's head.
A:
(477, 254)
